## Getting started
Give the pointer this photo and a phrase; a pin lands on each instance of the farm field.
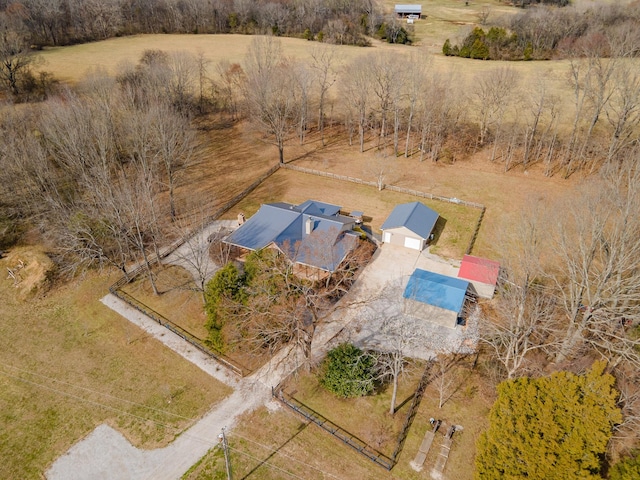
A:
(69, 364)
(72, 63)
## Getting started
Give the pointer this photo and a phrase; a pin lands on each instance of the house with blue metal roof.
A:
(437, 298)
(409, 225)
(312, 234)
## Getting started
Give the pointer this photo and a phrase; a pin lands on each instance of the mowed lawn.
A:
(69, 364)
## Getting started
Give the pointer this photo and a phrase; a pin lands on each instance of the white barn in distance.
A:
(408, 10)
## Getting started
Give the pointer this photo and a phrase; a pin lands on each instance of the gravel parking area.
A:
(377, 295)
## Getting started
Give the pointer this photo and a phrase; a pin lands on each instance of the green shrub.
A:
(223, 290)
(348, 372)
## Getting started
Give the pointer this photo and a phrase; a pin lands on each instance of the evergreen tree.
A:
(446, 48)
(226, 285)
(553, 427)
(627, 469)
(348, 372)
(479, 50)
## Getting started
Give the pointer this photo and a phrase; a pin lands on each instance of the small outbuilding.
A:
(437, 298)
(482, 273)
(408, 10)
(409, 225)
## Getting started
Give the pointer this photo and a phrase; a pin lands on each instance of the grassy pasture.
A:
(69, 364)
(71, 64)
(282, 441)
(476, 180)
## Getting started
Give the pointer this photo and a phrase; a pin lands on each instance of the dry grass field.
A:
(69, 364)
(475, 180)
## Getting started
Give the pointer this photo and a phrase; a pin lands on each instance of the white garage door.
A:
(387, 237)
(412, 243)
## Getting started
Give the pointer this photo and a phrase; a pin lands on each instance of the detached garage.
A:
(409, 225)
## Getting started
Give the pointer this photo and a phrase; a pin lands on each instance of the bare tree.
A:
(492, 94)
(174, 142)
(400, 337)
(231, 80)
(591, 79)
(323, 59)
(379, 168)
(541, 107)
(384, 75)
(521, 319)
(623, 108)
(447, 379)
(304, 80)
(15, 55)
(438, 114)
(270, 91)
(483, 14)
(196, 242)
(598, 269)
(356, 90)
(415, 81)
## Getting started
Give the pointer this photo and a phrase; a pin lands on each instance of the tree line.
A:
(95, 170)
(542, 33)
(65, 22)
(408, 108)
(396, 103)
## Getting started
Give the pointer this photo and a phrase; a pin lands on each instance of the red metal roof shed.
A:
(479, 270)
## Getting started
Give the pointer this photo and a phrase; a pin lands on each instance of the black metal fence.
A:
(181, 332)
(475, 231)
(354, 442)
(116, 288)
(413, 410)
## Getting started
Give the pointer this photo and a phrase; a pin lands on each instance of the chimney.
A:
(308, 226)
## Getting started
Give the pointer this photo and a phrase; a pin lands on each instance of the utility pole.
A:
(225, 447)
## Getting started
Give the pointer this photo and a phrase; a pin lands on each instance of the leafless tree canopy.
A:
(572, 285)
